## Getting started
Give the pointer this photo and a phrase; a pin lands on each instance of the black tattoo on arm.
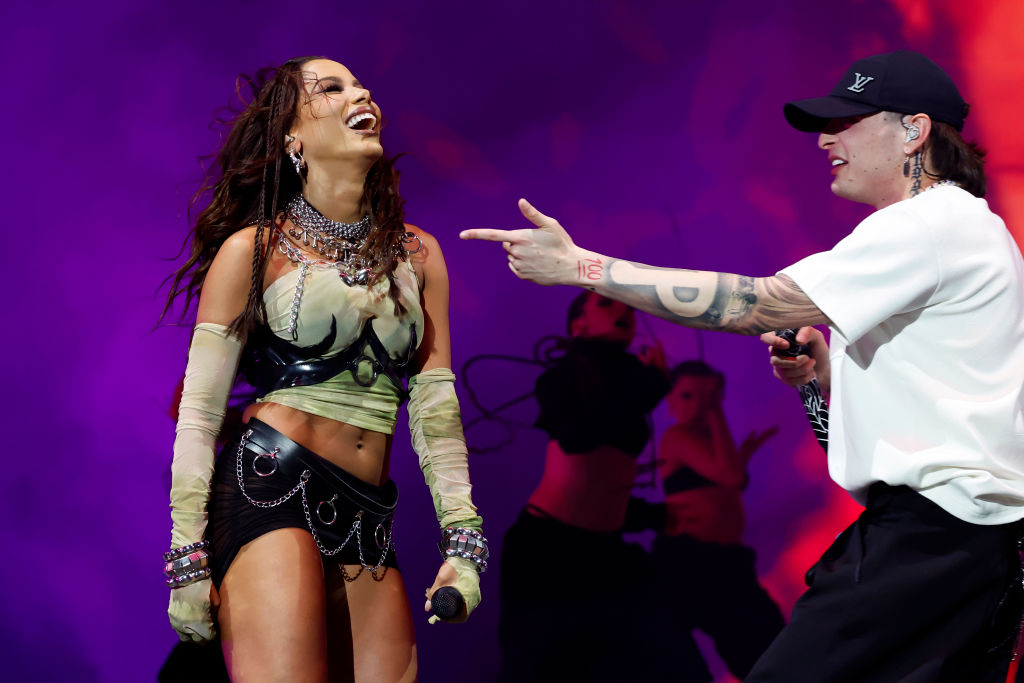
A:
(711, 301)
(783, 304)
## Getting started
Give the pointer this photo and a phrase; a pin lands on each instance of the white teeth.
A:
(358, 118)
(837, 162)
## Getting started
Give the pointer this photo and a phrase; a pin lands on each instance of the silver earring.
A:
(297, 160)
(913, 132)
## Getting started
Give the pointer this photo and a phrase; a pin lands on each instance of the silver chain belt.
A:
(384, 537)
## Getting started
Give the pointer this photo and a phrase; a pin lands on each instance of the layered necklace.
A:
(340, 244)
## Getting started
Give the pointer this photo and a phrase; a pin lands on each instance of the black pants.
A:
(714, 588)
(907, 593)
(582, 606)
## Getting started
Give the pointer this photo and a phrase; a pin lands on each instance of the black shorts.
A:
(350, 519)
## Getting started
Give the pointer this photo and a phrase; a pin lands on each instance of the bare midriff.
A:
(713, 514)
(588, 490)
(362, 453)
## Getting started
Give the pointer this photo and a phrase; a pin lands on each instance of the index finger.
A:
(772, 340)
(512, 236)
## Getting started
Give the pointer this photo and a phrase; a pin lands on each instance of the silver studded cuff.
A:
(186, 550)
(187, 564)
(468, 544)
(196, 560)
(181, 580)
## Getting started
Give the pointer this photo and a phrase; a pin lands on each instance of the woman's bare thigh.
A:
(272, 612)
(370, 631)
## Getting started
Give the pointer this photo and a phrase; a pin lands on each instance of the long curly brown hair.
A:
(248, 183)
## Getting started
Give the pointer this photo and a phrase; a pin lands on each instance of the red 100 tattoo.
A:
(589, 269)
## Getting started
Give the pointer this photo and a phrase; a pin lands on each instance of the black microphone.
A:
(810, 393)
(447, 603)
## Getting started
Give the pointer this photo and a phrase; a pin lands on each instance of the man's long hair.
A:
(952, 158)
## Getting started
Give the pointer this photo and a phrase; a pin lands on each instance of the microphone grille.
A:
(446, 602)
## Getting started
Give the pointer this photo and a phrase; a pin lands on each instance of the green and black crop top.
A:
(349, 348)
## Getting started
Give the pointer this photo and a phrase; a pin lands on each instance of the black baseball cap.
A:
(905, 82)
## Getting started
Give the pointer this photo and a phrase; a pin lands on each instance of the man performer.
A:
(925, 303)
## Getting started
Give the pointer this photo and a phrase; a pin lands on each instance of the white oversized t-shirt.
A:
(927, 353)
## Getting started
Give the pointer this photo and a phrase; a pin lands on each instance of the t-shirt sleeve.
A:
(885, 267)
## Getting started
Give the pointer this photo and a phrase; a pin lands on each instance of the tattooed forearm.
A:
(740, 299)
(589, 269)
(784, 304)
(688, 296)
(713, 301)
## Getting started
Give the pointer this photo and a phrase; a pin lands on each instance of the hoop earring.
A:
(297, 160)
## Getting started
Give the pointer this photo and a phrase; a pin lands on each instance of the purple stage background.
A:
(652, 130)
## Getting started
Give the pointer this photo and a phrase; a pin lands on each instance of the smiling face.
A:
(605, 319)
(866, 156)
(337, 120)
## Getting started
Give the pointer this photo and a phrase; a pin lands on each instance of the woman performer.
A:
(708, 574)
(302, 259)
(593, 616)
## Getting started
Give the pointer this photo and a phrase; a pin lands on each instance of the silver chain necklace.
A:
(350, 265)
(307, 219)
(915, 189)
(334, 240)
(338, 243)
(351, 270)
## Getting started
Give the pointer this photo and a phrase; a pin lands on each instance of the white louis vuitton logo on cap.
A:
(859, 82)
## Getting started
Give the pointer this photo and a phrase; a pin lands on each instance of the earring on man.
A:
(913, 132)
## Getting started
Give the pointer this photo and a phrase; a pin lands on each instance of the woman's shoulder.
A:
(226, 285)
(428, 240)
(427, 256)
(237, 251)
(241, 242)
